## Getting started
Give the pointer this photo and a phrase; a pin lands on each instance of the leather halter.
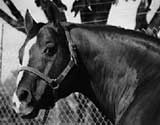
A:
(54, 83)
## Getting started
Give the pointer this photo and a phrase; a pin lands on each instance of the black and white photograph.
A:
(79, 62)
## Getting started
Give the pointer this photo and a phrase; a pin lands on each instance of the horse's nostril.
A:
(14, 104)
(24, 95)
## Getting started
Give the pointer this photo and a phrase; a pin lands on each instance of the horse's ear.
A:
(29, 22)
(53, 13)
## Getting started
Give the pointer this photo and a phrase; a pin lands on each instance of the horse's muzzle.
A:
(21, 106)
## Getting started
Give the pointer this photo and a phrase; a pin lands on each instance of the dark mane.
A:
(140, 38)
(118, 30)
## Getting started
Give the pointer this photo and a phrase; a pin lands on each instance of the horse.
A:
(117, 69)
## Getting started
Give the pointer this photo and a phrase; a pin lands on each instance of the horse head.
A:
(112, 66)
(48, 68)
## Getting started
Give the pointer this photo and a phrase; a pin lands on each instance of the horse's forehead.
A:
(26, 57)
(48, 29)
(47, 33)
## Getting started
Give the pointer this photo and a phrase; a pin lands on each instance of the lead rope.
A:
(46, 114)
(109, 122)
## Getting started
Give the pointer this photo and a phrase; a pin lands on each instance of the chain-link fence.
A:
(75, 109)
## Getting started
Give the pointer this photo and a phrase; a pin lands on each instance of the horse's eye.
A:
(50, 50)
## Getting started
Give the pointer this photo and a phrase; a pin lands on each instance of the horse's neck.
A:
(113, 78)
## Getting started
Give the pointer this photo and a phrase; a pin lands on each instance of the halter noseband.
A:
(54, 83)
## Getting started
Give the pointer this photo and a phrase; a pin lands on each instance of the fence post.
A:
(1, 50)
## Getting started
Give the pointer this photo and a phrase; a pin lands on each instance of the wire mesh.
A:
(75, 109)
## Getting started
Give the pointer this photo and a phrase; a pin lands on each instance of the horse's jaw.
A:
(31, 114)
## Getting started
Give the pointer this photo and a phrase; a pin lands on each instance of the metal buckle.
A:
(54, 85)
